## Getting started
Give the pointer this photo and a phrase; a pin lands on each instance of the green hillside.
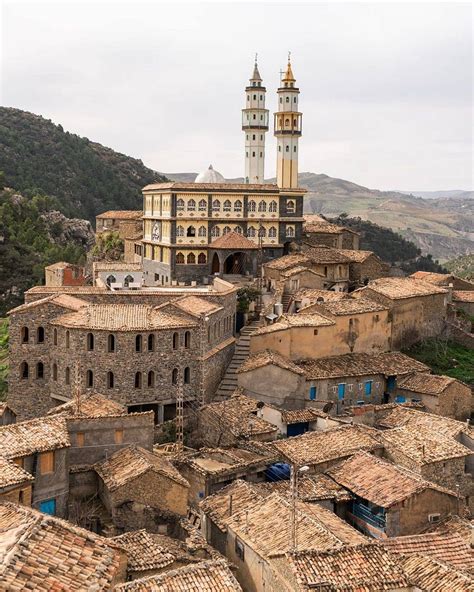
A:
(462, 266)
(86, 178)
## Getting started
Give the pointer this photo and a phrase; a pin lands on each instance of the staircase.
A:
(285, 300)
(242, 350)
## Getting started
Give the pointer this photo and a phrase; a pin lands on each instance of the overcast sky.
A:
(386, 89)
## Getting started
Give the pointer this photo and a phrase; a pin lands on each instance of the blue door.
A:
(341, 390)
(400, 399)
(312, 393)
(48, 507)
(295, 429)
(391, 381)
(368, 388)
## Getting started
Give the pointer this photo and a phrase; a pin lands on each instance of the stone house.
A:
(303, 299)
(133, 251)
(444, 280)
(136, 354)
(442, 395)
(464, 300)
(117, 274)
(238, 418)
(418, 309)
(390, 500)
(139, 488)
(211, 469)
(332, 264)
(321, 450)
(273, 271)
(40, 447)
(64, 274)
(329, 384)
(7, 415)
(43, 553)
(365, 266)
(125, 222)
(292, 422)
(318, 231)
(15, 483)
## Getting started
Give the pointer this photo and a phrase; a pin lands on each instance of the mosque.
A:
(194, 230)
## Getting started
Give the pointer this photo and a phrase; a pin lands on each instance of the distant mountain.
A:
(436, 194)
(85, 178)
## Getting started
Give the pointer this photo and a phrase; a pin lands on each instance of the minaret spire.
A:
(288, 126)
(255, 126)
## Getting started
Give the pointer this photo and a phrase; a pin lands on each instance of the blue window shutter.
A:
(341, 390)
(400, 399)
(368, 387)
(312, 393)
(48, 507)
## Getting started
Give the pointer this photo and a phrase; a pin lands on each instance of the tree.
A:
(245, 296)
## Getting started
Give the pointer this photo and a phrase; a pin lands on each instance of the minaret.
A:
(288, 126)
(255, 126)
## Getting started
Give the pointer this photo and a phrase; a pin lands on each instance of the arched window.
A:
(24, 370)
(290, 231)
(215, 232)
(202, 231)
(191, 258)
(290, 206)
(111, 343)
(179, 259)
(25, 334)
(287, 148)
(287, 98)
(180, 230)
(202, 205)
(216, 205)
(138, 380)
(138, 343)
(202, 258)
(251, 231)
(40, 370)
(325, 270)
(252, 205)
(89, 379)
(67, 376)
(227, 205)
(187, 339)
(151, 379)
(180, 204)
(191, 205)
(273, 206)
(175, 340)
(128, 280)
(226, 230)
(55, 336)
(90, 342)
(187, 375)
(110, 380)
(40, 335)
(191, 231)
(55, 371)
(272, 232)
(151, 342)
(111, 279)
(67, 339)
(238, 206)
(174, 376)
(238, 230)
(262, 231)
(262, 206)
(287, 122)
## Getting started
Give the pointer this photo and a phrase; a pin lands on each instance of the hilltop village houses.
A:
(229, 407)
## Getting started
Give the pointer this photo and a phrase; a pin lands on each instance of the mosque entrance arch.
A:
(235, 264)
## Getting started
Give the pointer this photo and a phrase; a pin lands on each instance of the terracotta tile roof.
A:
(265, 526)
(267, 357)
(450, 548)
(287, 262)
(127, 464)
(116, 266)
(233, 240)
(12, 474)
(301, 415)
(315, 319)
(35, 435)
(402, 416)
(379, 481)
(62, 300)
(397, 288)
(207, 576)
(59, 265)
(360, 568)
(388, 364)
(220, 461)
(122, 317)
(455, 525)
(314, 448)
(40, 552)
(311, 488)
(357, 256)
(300, 269)
(427, 384)
(352, 306)
(321, 226)
(438, 279)
(314, 294)
(323, 255)
(93, 405)
(463, 295)
(238, 414)
(121, 214)
(143, 551)
(197, 306)
(242, 187)
(431, 575)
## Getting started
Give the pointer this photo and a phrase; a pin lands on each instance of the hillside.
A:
(85, 178)
(462, 266)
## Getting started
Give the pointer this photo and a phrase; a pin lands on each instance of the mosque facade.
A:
(195, 230)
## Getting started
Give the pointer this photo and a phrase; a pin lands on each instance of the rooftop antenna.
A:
(256, 57)
(289, 55)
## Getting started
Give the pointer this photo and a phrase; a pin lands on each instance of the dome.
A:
(209, 176)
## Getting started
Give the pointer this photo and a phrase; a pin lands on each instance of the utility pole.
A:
(293, 493)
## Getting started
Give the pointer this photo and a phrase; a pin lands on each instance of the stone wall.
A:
(413, 514)
(17, 494)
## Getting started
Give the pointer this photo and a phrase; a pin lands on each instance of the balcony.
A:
(367, 515)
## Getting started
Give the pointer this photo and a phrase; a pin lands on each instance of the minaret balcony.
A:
(288, 123)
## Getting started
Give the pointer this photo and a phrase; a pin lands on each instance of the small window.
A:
(191, 259)
(118, 436)
(251, 231)
(312, 393)
(24, 370)
(110, 280)
(180, 204)
(272, 232)
(202, 231)
(138, 380)
(216, 205)
(80, 439)
(90, 342)
(187, 375)
(67, 376)
(110, 380)
(273, 206)
(46, 462)
(191, 205)
(111, 343)
(128, 280)
(25, 334)
(151, 379)
(202, 258)
(67, 339)
(262, 206)
(179, 259)
(174, 376)
(180, 231)
(290, 206)
(202, 205)
(151, 342)
(89, 379)
(55, 371)
(227, 204)
(138, 343)
(187, 340)
(40, 370)
(252, 206)
(287, 149)
(55, 336)
(238, 206)
(191, 231)
(239, 549)
(226, 230)
(40, 335)
(175, 340)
